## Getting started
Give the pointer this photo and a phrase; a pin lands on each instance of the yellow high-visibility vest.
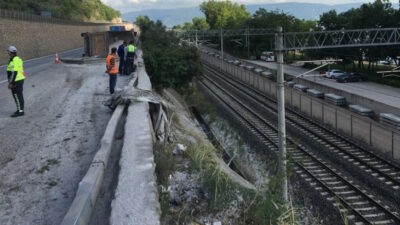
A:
(17, 65)
(131, 48)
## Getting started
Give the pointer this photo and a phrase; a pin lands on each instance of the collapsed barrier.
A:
(136, 181)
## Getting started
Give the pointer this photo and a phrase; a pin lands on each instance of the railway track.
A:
(359, 206)
(380, 172)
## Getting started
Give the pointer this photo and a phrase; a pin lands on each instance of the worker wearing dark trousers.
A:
(130, 57)
(16, 77)
(121, 54)
(112, 69)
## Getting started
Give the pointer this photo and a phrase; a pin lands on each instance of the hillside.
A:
(171, 17)
(87, 10)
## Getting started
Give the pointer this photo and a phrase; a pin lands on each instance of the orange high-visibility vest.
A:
(111, 64)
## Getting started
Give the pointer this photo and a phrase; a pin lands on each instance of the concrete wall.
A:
(40, 38)
(363, 129)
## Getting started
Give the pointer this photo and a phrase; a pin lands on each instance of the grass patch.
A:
(217, 193)
(49, 163)
(198, 100)
(165, 166)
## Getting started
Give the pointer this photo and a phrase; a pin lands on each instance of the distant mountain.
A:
(308, 11)
(169, 17)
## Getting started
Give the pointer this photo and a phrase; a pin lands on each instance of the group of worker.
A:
(126, 53)
(16, 75)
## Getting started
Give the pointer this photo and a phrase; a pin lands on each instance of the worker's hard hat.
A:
(12, 49)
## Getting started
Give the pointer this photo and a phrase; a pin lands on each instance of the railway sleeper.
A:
(308, 179)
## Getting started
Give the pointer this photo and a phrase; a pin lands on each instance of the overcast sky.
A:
(136, 5)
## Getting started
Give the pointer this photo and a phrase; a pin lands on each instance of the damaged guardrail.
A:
(81, 208)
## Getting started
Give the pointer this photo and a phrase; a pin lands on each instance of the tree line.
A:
(379, 14)
(229, 15)
(72, 9)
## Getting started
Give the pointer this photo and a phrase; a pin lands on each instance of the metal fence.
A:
(16, 15)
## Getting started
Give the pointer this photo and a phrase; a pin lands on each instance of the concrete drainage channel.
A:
(119, 186)
(84, 203)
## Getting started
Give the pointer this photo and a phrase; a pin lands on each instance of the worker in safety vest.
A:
(121, 54)
(16, 77)
(112, 69)
(130, 57)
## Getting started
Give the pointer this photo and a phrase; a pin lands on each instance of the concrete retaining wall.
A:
(363, 129)
(37, 38)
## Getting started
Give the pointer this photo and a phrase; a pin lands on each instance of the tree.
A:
(379, 14)
(169, 62)
(144, 23)
(263, 18)
(188, 26)
(224, 14)
(200, 24)
(72, 9)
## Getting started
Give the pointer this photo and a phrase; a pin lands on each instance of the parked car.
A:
(384, 62)
(352, 77)
(334, 73)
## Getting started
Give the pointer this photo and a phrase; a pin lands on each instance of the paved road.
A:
(44, 154)
(32, 66)
(378, 92)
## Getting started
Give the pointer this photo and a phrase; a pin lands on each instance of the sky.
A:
(137, 5)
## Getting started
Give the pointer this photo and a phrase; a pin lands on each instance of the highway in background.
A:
(35, 65)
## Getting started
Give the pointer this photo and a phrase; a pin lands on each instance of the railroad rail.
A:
(384, 174)
(363, 208)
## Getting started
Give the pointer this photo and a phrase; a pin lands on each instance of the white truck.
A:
(268, 56)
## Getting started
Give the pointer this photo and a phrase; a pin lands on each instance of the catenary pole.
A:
(281, 114)
(196, 40)
(222, 49)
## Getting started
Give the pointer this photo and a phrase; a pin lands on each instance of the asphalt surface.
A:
(45, 154)
(374, 91)
(32, 66)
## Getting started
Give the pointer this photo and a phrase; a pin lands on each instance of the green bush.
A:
(169, 62)
(72, 9)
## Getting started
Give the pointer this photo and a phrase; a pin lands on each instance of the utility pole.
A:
(248, 43)
(281, 114)
(196, 40)
(222, 49)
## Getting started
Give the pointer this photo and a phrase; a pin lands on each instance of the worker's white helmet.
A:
(12, 49)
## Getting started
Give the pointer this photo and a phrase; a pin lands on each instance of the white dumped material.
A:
(179, 149)
(300, 87)
(251, 68)
(259, 71)
(335, 99)
(361, 110)
(290, 83)
(315, 93)
(266, 74)
(390, 119)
